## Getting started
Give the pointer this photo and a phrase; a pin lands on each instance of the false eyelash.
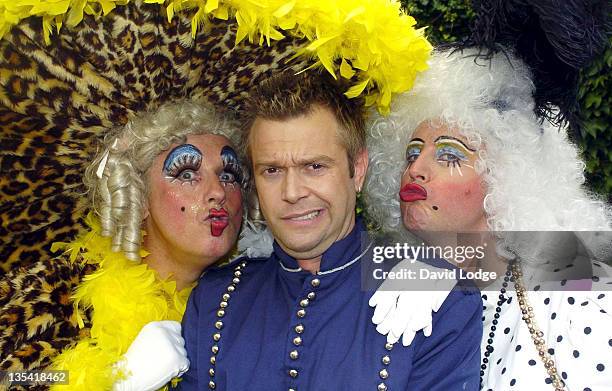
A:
(231, 163)
(454, 163)
(236, 170)
(412, 151)
(184, 162)
(409, 162)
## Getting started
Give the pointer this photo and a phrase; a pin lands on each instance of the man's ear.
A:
(361, 168)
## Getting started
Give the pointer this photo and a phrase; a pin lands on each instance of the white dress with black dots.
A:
(577, 327)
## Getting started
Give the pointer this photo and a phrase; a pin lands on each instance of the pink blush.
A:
(171, 206)
(462, 197)
(452, 190)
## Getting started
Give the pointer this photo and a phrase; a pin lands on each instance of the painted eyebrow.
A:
(183, 149)
(416, 140)
(450, 138)
(229, 155)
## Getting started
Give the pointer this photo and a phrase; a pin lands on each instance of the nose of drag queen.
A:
(420, 169)
(214, 191)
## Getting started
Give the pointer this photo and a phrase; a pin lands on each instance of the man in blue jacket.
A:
(299, 319)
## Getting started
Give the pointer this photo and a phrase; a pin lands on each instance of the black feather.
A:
(556, 38)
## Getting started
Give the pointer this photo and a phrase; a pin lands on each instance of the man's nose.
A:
(293, 188)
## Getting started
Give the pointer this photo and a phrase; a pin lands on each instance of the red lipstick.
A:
(413, 192)
(218, 221)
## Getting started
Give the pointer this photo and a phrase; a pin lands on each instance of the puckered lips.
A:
(219, 219)
(413, 192)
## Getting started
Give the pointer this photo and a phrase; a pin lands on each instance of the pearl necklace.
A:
(536, 334)
(489, 348)
(515, 274)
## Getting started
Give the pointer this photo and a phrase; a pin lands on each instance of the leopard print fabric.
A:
(56, 100)
(37, 316)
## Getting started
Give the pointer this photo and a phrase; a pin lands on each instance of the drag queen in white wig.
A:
(464, 151)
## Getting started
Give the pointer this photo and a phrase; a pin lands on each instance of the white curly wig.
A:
(116, 178)
(533, 174)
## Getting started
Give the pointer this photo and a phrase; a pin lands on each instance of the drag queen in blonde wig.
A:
(75, 72)
(117, 186)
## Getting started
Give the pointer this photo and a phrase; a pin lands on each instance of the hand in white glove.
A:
(406, 312)
(155, 357)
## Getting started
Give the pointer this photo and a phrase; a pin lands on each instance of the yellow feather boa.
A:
(373, 39)
(123, 296)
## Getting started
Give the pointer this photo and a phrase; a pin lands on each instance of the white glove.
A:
(406, 312)
(155, 357)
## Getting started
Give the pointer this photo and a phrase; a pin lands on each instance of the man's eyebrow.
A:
(450, 138)
(316, 158)
(416, 140)
(300, 162)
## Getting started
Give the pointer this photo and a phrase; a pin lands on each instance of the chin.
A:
(217, 247)
(301, 249)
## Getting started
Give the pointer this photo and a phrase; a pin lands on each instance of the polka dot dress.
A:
(577, 328)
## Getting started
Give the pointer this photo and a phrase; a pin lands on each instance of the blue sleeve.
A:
(449, 359)
(190, 334)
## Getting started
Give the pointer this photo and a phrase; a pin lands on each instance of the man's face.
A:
(303, 181)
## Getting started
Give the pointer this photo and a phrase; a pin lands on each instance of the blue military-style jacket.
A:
(264, 324)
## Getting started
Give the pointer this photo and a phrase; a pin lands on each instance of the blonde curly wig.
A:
(116, 178)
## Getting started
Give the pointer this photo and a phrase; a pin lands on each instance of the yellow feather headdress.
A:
(370, 39)
(94, 63)
(70, 70)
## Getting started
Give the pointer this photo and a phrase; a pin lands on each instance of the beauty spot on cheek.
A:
(182, 208)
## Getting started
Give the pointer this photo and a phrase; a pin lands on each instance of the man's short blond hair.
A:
(287, 96)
